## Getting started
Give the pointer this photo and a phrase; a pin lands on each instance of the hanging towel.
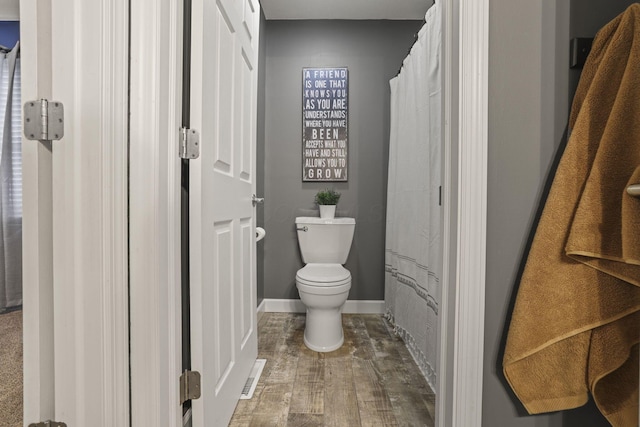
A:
(575, 327)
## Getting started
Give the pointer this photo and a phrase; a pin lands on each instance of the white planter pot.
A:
(327, 211)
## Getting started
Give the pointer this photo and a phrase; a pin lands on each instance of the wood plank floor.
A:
(371, 380)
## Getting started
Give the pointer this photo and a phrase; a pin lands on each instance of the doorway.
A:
(161, 297)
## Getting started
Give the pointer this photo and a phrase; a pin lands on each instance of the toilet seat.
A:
(323, 275)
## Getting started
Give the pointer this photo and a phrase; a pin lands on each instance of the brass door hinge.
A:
(189, 386)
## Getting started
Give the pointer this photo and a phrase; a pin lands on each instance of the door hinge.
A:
(43, 120)
(189, 386)
(189, 144)
(579, 51)
(48, 424)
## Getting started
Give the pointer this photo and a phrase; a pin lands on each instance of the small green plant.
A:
(327, 197)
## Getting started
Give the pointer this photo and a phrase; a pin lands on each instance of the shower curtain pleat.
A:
(10, 183)
(413, 254)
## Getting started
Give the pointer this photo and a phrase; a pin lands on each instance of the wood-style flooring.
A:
(371, 380)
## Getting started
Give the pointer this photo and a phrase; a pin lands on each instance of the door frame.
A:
(461, 346)
(154, 188)
(37, 235)
(76, 341)
(154, 211)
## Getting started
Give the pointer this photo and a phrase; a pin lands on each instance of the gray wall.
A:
(521, 113)
(373, 52)
(528, 111)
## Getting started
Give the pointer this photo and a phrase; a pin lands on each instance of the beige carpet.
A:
(11, 369)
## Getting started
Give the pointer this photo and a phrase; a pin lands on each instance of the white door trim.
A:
(461, 347)
(89, 75)
(37, 224)
(154, 237)
(75, 215)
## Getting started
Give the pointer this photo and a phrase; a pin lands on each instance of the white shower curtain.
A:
(10, 182)
(413, 252)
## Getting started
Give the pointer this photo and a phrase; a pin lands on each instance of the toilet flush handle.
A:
(302, 228)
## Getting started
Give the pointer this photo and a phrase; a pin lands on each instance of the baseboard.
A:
(283, 306)
(296, 306)
(364, 307)
(260, 310)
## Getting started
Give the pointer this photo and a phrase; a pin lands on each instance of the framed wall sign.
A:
(325, 121)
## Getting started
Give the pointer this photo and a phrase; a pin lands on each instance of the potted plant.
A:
(327, 201)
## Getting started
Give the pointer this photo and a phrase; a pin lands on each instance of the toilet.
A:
(323, 283)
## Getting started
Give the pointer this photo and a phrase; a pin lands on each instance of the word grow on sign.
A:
(325, 119)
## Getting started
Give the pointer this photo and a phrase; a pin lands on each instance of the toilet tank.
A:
(325, 240)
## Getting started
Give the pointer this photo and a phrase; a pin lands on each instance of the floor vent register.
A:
(252, 381)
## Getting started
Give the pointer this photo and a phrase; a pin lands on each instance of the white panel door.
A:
(222, 217)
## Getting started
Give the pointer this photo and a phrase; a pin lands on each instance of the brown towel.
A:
(575, 328)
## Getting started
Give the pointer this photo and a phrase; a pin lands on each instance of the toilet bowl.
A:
(323, 283)
(323, 289)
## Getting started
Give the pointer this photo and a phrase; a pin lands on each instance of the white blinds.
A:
(10, 182)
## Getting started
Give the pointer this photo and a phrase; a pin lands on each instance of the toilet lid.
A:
(330, 274)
